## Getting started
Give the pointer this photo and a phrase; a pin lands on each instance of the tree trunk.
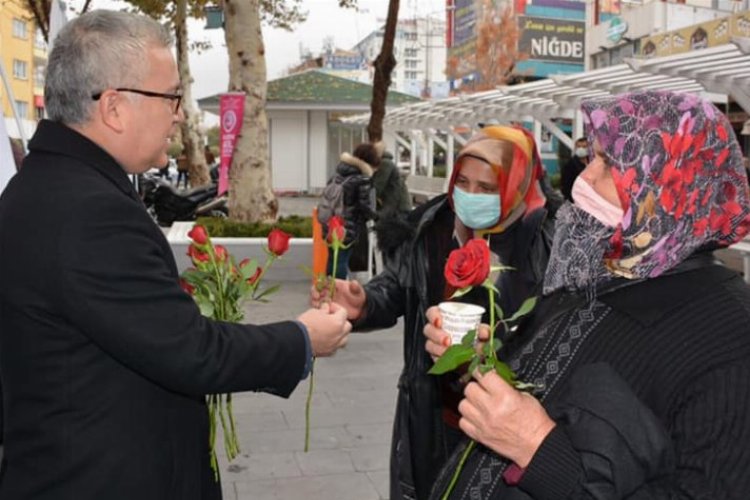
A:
(384, 64)
(251, 197)
(192, 138)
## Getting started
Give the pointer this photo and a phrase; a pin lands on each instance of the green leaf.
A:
(249, 269)
(491, 286)
(527, 306)
(485, 367)
(487, 350)
(501, 268)
(504, 371)
(206, 307)
(525, 386)
(266, 292)
(474, 364)
(460, 292)
(454, 356)
(468, 339)
(499, 312)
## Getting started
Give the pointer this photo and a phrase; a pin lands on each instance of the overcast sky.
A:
(346, 26)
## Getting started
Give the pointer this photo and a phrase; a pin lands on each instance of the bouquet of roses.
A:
(467, 267)
(220, 287)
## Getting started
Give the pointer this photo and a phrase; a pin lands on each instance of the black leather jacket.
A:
(411, 283)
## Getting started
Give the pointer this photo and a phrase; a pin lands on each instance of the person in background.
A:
(494, 193)
(570, 171)
(164, 171)
(209, 155)
(183, 170)
(105, 361)
(354, 172)
(639, 352)
(393, 202)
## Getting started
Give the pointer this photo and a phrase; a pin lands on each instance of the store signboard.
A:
(557, 40)
(697, 36)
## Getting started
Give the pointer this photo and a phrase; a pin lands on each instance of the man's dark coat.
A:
(104, 360)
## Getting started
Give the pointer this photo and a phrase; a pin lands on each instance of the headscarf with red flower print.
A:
(519, 182)
(680, 179)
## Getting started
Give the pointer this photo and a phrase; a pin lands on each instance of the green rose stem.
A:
(491, 293)
(458, 470)
(308, 404)
(220, 405)
(212, 434)
(219, 287)
(336, 245)
(271, 257)
(493, 355)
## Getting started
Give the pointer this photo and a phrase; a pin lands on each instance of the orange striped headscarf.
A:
(519, 183)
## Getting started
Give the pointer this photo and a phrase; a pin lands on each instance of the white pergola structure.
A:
(717, 73)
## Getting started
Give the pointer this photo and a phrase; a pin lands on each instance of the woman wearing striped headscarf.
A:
(494, 193)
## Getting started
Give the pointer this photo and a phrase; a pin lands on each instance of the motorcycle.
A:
(167, 205)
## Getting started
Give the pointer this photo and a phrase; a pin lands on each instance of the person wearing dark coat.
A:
(393, 202)
(355, 172)
(639, 351)
(484, 200)
(570, 171)
(105, 361)
(391, 193)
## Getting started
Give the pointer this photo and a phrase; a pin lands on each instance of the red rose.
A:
(196, 255)
(278, 242)
(187, 286)
(468, 266)
(336, 229)
(221, 253)
(198, 234)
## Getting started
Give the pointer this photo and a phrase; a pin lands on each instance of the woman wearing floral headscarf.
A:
(494, 193)
(640, 350)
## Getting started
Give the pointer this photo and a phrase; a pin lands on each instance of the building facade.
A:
(420, 53)
(618, 30)
(23, 55)
(551, 36)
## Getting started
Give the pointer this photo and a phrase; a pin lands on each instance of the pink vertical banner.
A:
(231, 111)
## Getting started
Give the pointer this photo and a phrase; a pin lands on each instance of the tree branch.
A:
(384, 64)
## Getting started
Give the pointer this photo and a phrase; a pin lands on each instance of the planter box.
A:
(287, 268)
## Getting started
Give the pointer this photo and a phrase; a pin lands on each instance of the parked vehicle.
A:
(166, 204)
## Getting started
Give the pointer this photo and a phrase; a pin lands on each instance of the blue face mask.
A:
(476, 210)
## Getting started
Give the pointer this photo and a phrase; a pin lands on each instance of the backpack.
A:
(332, 199)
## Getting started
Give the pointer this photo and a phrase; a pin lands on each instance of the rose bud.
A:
(278, 242)
(198, 234)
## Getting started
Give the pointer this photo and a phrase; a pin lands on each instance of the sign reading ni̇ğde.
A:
(558, 40)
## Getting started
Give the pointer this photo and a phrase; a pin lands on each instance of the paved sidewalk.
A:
(352, 415)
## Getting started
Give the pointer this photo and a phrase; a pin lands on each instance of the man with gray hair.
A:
(104, 360)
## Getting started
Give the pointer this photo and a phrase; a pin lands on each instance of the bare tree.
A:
(192, 136)
(40, 10)
(384, 64)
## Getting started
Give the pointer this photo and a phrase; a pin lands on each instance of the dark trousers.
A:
(182, 174)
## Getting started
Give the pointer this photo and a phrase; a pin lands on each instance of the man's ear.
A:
(111, 110)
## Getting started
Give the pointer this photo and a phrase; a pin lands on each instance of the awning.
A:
(715, 72)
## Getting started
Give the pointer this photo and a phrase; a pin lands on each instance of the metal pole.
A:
(14, 109)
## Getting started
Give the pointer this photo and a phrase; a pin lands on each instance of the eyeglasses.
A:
(177, 98)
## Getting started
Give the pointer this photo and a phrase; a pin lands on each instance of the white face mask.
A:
(587, 199)
(582, 152)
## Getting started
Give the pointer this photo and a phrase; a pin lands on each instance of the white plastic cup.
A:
(459, 319)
